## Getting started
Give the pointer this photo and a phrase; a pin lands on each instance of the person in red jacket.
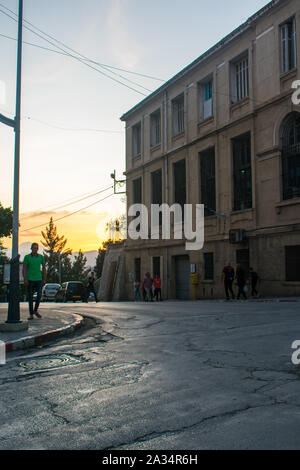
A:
(157, 287)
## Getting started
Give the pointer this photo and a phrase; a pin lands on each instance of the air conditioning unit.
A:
(237, 236)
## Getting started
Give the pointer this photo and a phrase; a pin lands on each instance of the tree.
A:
(79, 270)
(6, 221)
(55, 253)
(99, 261)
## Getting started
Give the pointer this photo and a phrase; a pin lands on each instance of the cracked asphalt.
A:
(169, 375)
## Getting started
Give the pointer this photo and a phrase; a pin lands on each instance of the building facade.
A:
(224, 132)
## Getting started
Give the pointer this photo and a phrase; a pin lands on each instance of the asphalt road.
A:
(168, 375)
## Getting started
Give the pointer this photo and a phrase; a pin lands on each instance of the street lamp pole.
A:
(14, 304)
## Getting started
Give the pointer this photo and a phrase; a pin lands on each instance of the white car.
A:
(49, 291)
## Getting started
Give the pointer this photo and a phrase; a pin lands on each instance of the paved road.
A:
(170, 375)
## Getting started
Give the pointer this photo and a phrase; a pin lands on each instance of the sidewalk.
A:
(52, 325)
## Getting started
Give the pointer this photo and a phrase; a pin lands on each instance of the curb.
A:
(31, 341)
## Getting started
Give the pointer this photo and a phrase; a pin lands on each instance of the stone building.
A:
(224, 132)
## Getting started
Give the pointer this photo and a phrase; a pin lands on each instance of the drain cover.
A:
(51, 362)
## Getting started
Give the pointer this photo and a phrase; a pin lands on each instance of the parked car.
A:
(71, 290)
(49, 291)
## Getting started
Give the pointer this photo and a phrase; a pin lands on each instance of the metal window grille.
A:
(242, 79)
(242, 175)
(208, 180)
(288, 45)
(291, 157)
(178, 115)
(180, 182)
(136, 139)
(155, 128)
(208, 259)
(292, 263)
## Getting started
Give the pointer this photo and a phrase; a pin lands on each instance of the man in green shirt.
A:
(34, 273)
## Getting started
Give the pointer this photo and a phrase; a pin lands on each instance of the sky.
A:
(71, 134)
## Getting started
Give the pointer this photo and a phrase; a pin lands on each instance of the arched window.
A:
(290, 151)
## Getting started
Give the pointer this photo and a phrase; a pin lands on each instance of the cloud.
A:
(124, 46)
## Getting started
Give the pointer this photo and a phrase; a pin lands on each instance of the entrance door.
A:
(182, 277)
(242, 258)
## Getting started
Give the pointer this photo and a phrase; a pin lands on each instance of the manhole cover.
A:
(51, 362)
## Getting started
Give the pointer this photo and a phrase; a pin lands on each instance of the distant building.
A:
(224, 132)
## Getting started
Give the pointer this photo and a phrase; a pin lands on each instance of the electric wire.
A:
(69, 215)
(83, 61)
(39, 212)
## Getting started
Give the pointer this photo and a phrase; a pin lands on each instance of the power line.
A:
(151, 77)
(50, 208)
(83, 61)
(71, 129)
(69, 215)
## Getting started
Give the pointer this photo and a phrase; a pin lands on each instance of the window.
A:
(292, 263)
(137, 191)
(208, 260)
(288, 45)
(136, 139)
(239, 79)
(155, 128)
(156, 190)
(137, 269)
(178, 114)
(290, 135)
(205, 99)
(137, 196)
(242, 177)
(179, 183)
(208, 181)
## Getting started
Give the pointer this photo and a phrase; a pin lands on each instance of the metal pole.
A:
(14, 305)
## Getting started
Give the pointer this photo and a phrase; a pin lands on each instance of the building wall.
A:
(271, 223)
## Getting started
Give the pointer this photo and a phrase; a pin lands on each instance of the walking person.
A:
(254, 278)
(91, 287)
(228, 278)
(137, 293)
(157, 287)
(241, 281)
(148, 283)
(34, 273)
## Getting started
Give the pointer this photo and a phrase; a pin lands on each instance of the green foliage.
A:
(99, 262)
(6, 221)
(79, 270)
(56, 255)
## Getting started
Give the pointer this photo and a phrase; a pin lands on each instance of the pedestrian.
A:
(34, 273)
(91, 287)
(241, 281)
(148, 283)
(228, 278)
(157, 287)
(143, 291)
(137, 293)
(254, 278)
